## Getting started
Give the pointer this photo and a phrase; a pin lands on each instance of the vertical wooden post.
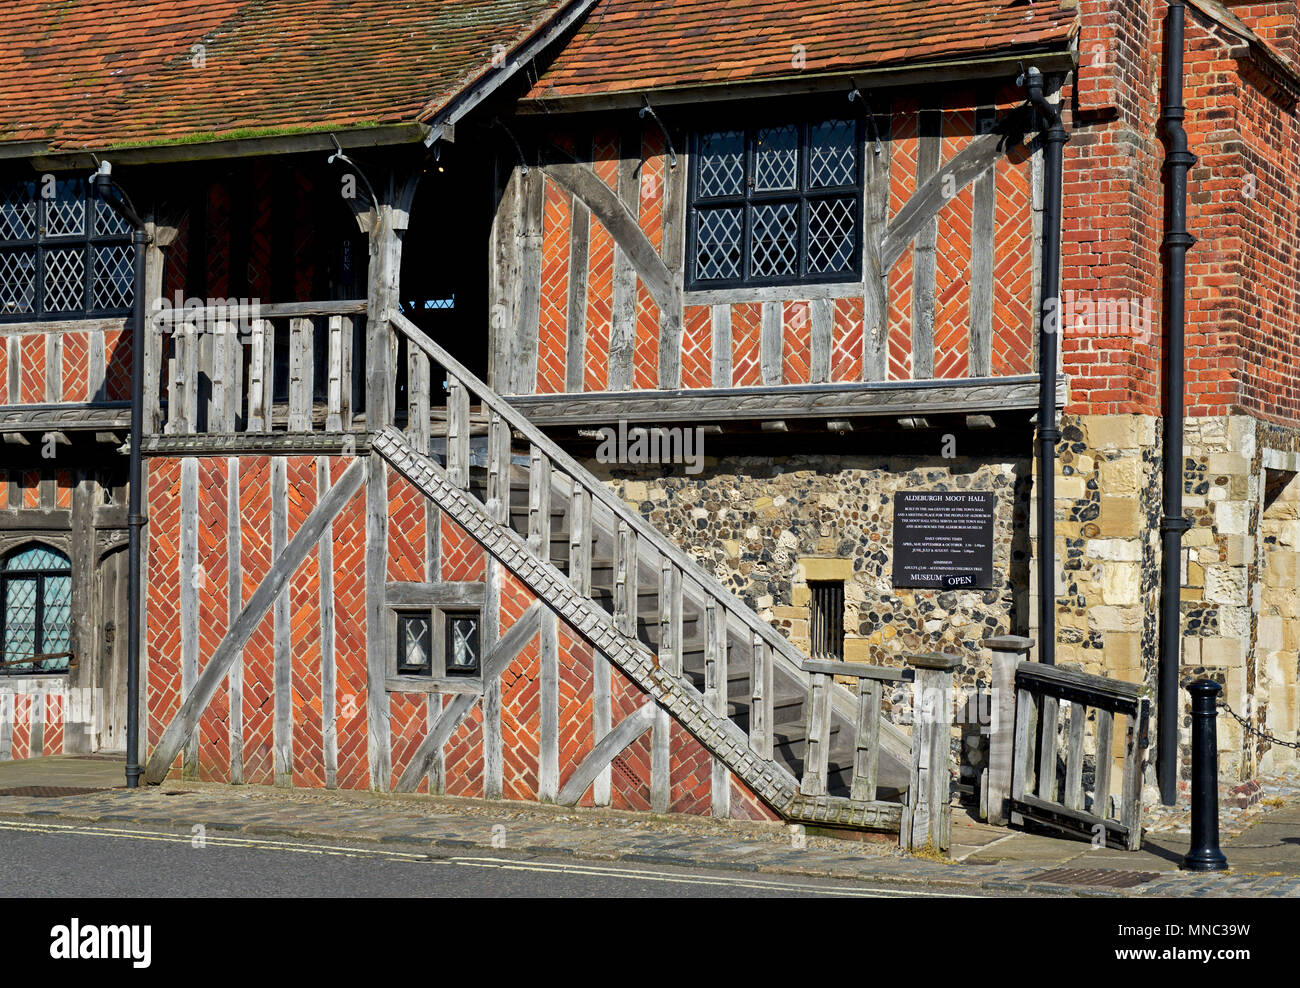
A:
(261, 378)
(386, 222)
(334, 377)
(498, 489)
(818, 744)
(301, 353)
(760, 696)
(1130, 813)
(580, 539)
(715, 695)
(457, 433)
(866, 758)
(417, 399)
(539, 504)
(218, 374)
(625, 580)
(670, 617)
(927, 814)
(1008, 651)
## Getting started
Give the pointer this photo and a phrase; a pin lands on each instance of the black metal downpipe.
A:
(112, 194)
(1050, 326)
(1173, 524)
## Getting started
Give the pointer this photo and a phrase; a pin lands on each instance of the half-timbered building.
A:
(531, 394)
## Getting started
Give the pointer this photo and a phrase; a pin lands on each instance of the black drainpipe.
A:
(1173, 524)
(113, 194)
(1050, 325)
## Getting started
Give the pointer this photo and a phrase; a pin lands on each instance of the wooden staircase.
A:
(790, 690)
(594, 560)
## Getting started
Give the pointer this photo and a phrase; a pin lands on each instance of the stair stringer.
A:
(767, 779)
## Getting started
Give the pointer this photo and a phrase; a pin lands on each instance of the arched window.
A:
(63, 252)
(36, 588)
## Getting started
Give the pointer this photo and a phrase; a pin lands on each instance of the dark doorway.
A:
(445, 254)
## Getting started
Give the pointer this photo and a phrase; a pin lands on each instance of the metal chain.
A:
(1258, 733)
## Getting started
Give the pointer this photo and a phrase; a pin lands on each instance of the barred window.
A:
(63, 252)
(36, 619)
(826, 627)
(775, 205)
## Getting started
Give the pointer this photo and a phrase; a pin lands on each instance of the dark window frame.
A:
(89, 240)
(404, 666)
(803, 195)
(826, 619)
(438, 668)
(448, 616)
(8, 576)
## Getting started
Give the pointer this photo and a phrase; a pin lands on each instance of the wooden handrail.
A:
(274, 310)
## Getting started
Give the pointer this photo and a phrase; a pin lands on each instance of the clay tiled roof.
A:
(638, 45)
(100, 73)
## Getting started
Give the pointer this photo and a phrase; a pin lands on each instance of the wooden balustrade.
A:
(817, 721)
(290, 369)
(1040, 791)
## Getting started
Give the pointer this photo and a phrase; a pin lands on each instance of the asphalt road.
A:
(100, 861)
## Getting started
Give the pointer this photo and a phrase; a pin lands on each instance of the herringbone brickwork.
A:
(409, 712)
(846, 340)
(697, 347)
(902, 184)
(552, 343)
(953, 261)
(746, 323)
(214, 615)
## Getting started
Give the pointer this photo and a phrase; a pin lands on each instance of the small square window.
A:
(462, 644)
(827, 624)
(414, 645)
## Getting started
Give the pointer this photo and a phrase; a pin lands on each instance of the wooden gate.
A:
(1062, 755)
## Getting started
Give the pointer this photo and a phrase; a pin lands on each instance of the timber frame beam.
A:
(840, 401)
(184, 724)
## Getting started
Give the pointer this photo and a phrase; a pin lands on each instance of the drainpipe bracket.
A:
(1179, 239)
(1179, 524)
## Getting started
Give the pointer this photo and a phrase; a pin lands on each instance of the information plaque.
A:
(943, 540)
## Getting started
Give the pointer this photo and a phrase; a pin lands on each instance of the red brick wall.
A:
(409, 714)
(1243, 299)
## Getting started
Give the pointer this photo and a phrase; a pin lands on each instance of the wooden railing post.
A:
(1008, 650)
(817, 747)
(866, 756)
(260, 376)
(927, 814)
(498, 469)
(625, 580)
(580, 538)
(539, 504)
(670, 618)
(301, 372)
(760, 697)
(457, 433)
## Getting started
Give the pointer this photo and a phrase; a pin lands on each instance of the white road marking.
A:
(506, 864)
(640, 874)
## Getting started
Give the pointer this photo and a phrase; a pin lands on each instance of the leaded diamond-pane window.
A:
(63, 252)
(776, 205)
(462, 644)
(414, 645)
(36, 620)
